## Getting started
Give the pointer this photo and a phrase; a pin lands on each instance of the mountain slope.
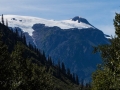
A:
(23, 67)
(70, 41)
(73, 47)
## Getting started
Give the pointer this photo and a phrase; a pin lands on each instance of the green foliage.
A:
(117, 24)
(107, 77)
(30, 74)
(101, 80)
(17, 70)
(4, 61)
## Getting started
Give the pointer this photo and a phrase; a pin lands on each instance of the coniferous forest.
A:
(24, 67)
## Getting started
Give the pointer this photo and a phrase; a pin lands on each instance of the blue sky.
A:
(99, 13)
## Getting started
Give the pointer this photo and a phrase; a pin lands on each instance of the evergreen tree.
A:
(77, 80)
(82, 84)
(58, 69)
(68, 72)
(24, 40)
(16, 34)
(43, 58)
(63, 68)
(73, 78)
(2, 19)
(117, 24)
(107, 77)
(49, 60)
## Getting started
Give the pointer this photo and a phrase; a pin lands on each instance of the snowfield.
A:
(26, 23)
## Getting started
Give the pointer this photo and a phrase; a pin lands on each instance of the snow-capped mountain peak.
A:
(26, 23)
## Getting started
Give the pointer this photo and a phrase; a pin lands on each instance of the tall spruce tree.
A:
(2, 19)
(77, 80)
(63, 68)
(117, 24)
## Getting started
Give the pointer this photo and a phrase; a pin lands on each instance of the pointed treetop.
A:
(2, 19)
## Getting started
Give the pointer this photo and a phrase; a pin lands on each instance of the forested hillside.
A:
(24, 67)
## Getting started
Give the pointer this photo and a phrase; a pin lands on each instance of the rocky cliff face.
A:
(73, 47)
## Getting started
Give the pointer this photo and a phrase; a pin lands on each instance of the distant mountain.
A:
(70, 41)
